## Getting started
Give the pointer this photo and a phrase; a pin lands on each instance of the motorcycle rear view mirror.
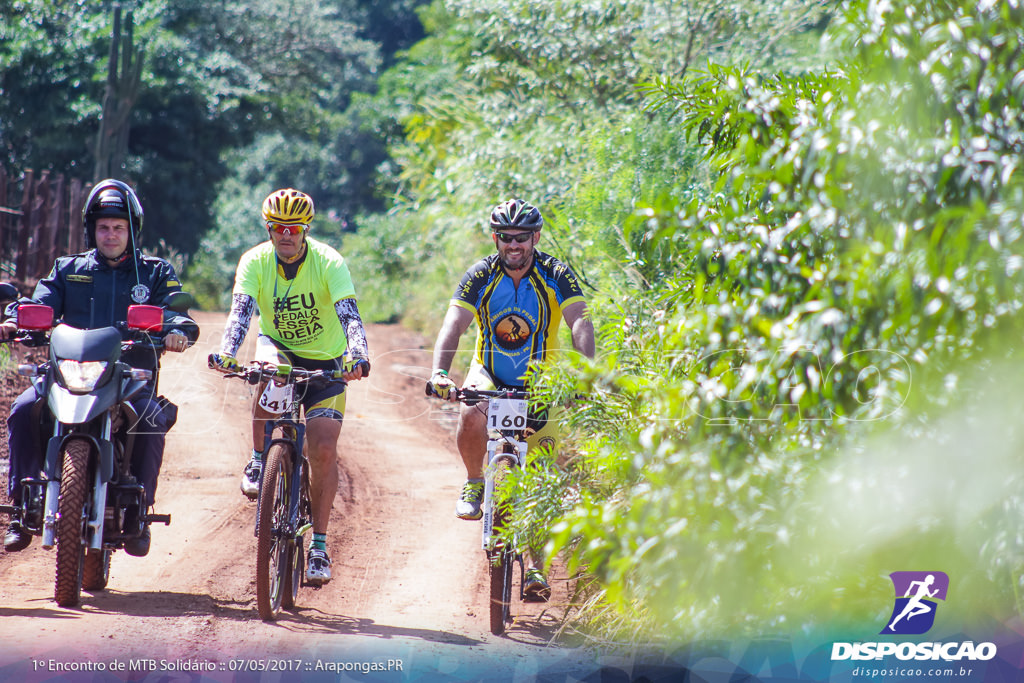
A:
(179, 302)
(35, 317)
(146, 318)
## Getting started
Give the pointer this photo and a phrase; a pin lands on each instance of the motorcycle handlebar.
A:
(41, 338)
(23, 338)
(155, 343)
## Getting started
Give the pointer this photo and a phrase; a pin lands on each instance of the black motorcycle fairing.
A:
(70, 343)
(70, 408)
(103, 343)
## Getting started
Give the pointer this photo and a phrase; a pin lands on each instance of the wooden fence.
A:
(40, 219)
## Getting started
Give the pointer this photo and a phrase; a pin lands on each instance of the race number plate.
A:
(506, 413)
(276, 399)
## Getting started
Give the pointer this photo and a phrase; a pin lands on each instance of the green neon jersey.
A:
(299, 313)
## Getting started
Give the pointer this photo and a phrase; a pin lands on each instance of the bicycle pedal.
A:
(157, 519)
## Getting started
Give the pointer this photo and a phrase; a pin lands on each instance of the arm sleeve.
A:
(242, 308)
(352, 323)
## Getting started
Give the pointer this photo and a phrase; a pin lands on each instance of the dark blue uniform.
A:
(87, 293)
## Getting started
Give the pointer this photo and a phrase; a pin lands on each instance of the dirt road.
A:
(409, 582)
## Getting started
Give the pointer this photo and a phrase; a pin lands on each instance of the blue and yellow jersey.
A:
(516, 325)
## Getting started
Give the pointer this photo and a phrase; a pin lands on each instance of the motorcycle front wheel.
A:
(71, 516)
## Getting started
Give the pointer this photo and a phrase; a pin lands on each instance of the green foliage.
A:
(536, 99)
(49, 90)
(531, 101)
(805, 269)
(383, 268)
(844, 290)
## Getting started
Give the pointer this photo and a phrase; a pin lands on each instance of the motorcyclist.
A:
(308, 319)
(92, 290)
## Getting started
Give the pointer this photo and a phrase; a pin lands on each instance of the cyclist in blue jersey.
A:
(518, 297)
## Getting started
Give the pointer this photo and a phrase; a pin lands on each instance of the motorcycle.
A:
(87, 503)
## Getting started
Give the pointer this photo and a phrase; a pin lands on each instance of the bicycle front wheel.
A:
(501, 562)
(500, 559)
(273, 542)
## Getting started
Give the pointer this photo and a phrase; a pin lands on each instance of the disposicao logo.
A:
(913, 613)
(916, 593)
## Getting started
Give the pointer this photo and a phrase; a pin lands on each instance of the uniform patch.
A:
(140, 294)
(79, 278)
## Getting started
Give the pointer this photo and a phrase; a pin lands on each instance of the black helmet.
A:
(515, 214)
(112, 199)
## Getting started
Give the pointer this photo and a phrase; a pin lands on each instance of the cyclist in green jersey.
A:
(518, 297)
(309, 319)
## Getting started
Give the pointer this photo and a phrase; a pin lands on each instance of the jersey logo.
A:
(297, 318)
(512, 332)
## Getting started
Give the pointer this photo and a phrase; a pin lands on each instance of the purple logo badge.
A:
(916, 593)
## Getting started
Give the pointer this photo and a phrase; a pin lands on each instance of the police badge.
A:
(140, 294)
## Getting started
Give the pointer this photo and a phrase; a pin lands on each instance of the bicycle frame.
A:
(518, 456)
(293, 435)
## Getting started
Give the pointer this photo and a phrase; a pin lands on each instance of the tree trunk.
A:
(124, 77)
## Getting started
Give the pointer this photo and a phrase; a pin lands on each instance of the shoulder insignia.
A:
(79, 278)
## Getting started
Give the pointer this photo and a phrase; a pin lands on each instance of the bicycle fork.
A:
(517, 458)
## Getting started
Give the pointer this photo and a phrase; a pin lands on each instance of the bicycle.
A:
(507, 411)
(284, 512)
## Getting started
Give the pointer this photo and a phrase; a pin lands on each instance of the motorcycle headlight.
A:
(81, 376)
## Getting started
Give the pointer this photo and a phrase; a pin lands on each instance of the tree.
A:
(49, 102)
(124, 78)
(215, 78)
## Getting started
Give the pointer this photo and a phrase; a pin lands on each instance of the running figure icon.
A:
(915, 605)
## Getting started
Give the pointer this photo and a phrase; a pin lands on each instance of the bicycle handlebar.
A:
(258, 372)
(470, 396)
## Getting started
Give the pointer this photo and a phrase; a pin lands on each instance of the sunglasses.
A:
(520, 238)
(282, 229)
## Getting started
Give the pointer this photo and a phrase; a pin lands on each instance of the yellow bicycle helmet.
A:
(288, 207)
